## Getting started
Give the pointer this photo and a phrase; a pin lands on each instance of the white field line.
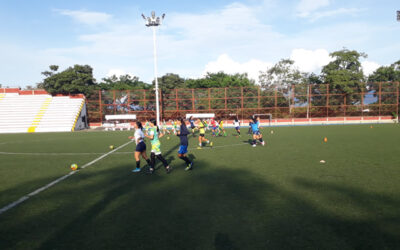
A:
(129, 152)
(37, 191)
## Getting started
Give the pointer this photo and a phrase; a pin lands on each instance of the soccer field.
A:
(237, 197)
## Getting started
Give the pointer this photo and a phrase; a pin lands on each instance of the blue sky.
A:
(196, 37)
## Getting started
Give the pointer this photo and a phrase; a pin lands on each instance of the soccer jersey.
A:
(221, 124)
(183, 135)
(236, 124)
(138, 136)
(155, 142)
(201, 128)
(255, 126)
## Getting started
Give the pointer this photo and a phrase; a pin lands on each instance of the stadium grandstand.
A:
(37, 111)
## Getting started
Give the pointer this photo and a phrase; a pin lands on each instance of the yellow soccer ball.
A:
(111, 147)
(74, 167)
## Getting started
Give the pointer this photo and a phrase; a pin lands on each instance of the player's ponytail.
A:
(139, 125)
(154, 122)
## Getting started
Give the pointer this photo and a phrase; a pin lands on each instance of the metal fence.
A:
(299, 101)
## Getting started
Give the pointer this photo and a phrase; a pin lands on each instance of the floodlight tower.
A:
(154, 22)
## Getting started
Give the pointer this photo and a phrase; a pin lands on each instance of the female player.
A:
(192, 126)
(202, 132)
(154, 135)
(214, 125)
(183, 148)
(140, 146)
(236, 124)
(255, 126)
(221, 127)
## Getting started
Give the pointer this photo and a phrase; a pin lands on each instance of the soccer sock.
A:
(161, 158)
(148, 162)
(185, 159)
(153, 160)
(254, 142)
(138, 164)
(239, 132)
(261, 140)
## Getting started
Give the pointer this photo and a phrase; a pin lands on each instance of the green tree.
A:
(386, 73)
(344, 74)
(220, 80)
(74, 80)
(170, 81)
(123, 82)
(282, 75)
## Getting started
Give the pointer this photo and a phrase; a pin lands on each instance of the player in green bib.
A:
(154, 135)
(201, 126)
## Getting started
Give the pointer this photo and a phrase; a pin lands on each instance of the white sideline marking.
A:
(37, 191)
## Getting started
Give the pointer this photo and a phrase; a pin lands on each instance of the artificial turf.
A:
(237, 197)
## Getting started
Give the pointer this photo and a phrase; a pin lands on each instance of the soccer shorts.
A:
(201, 135)
(237, 128)
(183, 149)
(141, 147)
(256, 132)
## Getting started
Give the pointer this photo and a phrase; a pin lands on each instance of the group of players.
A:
(179, 128)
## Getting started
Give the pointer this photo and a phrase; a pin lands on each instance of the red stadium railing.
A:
(299, 101)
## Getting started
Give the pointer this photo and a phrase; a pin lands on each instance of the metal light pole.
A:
(153, 22)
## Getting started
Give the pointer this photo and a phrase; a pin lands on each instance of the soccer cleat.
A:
(168, 169)
(189, 167)
(263, 143)
(254, 145)
(151, 171)
(136, 170)
(211, 144)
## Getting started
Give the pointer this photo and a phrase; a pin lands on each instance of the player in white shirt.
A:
(140, 146)
(236, 124)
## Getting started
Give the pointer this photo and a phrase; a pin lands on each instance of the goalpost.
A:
(269, 117)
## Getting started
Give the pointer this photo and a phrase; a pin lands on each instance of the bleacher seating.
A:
(38, 113)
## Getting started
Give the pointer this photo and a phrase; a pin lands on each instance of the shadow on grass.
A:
(211, 207)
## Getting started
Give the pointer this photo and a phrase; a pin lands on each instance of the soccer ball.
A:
(167, 137)
(74, 167)
(111, 147)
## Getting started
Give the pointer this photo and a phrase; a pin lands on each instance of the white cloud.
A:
(306, 7)
(369, 67)
(86, 17)
(228, 65)
(310, 60)
(336, 12)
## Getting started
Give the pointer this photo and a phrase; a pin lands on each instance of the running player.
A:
(214, 125)
(175, 128)
(192, 126)
(255, 126)
(163, 128)
(250, 132)
(183, 148)
(236, 124)
(154, 135)
(221, 127)
(202, 125)
(140, 146)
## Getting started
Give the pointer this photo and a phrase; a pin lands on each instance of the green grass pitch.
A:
(237, 197)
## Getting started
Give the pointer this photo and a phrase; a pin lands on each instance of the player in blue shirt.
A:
(192, 126)
(183, 148)
(255, 127)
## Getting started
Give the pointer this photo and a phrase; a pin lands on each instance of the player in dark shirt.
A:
(183, 148)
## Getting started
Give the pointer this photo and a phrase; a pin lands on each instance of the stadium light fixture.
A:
(153, 21)
(398, 15)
